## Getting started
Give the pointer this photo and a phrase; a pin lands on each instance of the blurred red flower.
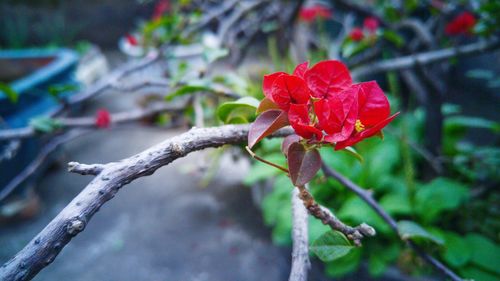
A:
(371, 24)
(461, 24)
(160, 8)
(102, 118)
(131, 40)
(312, 13)
(356, 34)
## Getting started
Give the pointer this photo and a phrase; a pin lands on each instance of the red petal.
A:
(328, 78)
(371, 24)
(298, 116)
(373, 104)
(289, 89)
(341, 112)
(301, 69)
(102, 118)
(267, 83)
(365, 134)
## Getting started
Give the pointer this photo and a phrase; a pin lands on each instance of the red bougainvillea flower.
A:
(131, 40)
(312, 13)
(372, 114)
(298, 116)
(371, 24)
(160, 8)
(461, 24)
(327, 78)
(356, 34)
(102, 118)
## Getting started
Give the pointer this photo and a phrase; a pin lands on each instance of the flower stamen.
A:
(359, 127)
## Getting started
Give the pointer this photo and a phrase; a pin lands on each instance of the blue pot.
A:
(30, 73)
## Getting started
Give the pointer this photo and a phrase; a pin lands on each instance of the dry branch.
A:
(300, 237)
(44, 248)
(425, 58)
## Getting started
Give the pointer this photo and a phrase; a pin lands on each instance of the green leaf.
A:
(394, 38)
(303, 163)
(357, 211)
(396, 203)
(57, 90)
(351, 151)
(477, 274)
(345, 264)
(350, 48)
(243, 108)
(485, 253)
(44, 124)
(457, 250)
(409, 230)
(195, 86)
(12, 95)
(440, 195)
(260, 171)
(331, 246)
(471, 122)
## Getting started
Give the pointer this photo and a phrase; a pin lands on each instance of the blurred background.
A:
(99, 81)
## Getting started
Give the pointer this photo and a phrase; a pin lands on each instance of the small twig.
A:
(300, 237)
(256, 157)
(366, 196)
(356, 234)
(84, 169)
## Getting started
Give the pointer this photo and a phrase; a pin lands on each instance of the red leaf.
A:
(289, 89)
(301, 69)
(266, 124)
(287, 141)
(267, 84)
(328, 78)
(265, 105)
(302, 164)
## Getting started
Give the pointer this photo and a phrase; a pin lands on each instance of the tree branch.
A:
(425, 58)
(300, 237)
(44, 248)
(366, 196)
(356, 234)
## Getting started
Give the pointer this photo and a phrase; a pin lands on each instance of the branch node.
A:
(75, 226)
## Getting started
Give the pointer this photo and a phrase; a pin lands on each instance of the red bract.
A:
(322, 105)
(298, 116)
(461, 24)
(131, 40)
(102, 118)
(160, 8)
(309, 14)
(328, 78)
(371, 24)
(373, 114)
(356, 34)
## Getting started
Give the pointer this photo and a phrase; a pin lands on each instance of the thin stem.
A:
(256, 157)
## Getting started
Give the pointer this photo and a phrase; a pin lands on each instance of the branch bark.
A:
(366, 196)
(425, 58)
(300, 237)
(44, 248)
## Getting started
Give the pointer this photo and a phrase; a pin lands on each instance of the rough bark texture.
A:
(44, 248)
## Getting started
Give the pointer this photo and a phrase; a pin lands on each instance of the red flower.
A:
(298, 116)
(371, 24)
(356, 34)
(310, 14)
(160, 8)
(102, 118)
(322, 105)
(461, 24)
(328, 78)
(131, 40)
(372, 116)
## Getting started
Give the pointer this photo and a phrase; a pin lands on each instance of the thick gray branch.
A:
(300, 237)
(426, 58)
(43, 249)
